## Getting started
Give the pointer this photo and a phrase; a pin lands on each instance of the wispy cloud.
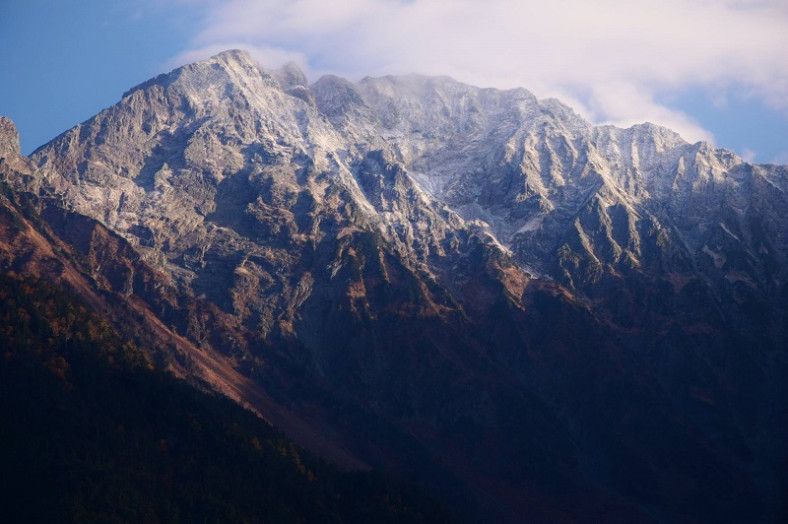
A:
(612, 58)
(748, 155)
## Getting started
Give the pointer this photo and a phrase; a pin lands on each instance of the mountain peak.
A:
(236, 60)
(293, 81)
(335, 96)
(234, 63)
(232, 55)
(357, 245)
(667, 136)
(290, 76)
(229, 66)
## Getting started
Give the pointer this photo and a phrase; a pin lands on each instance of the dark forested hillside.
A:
(90, 432)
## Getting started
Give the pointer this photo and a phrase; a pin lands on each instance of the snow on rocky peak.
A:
(524, 170)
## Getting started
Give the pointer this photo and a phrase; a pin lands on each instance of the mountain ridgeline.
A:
(530, 317)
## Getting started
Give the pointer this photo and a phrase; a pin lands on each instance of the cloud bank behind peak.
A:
(611, 60)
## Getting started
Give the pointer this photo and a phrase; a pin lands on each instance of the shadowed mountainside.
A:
(530, 316)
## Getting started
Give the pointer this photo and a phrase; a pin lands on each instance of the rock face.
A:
(535, 318)
(10, 154)
(9, 138)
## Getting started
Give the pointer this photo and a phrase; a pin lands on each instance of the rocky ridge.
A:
(367, 253)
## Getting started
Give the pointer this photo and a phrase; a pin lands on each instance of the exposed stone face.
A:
(471, 286)
(14, 167)
(9, 138)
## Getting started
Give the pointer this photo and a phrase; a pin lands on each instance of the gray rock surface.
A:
(417, 266)
(219, 161)
(9, 138)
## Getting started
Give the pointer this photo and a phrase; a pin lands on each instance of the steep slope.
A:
(91, 433)
(592, 207)
(346, 244)
(679, 248)
(358, 382)
(40, 238)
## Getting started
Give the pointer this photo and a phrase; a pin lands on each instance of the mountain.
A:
(532, 317)
(92, 432)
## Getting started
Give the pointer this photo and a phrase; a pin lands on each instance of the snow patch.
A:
(725, 228)
(533, 224)
(434, 184)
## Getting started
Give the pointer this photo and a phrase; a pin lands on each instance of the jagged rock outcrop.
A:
(534, 317)
(9, 138)
(10, 154)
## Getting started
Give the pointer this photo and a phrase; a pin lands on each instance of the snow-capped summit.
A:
(489, 285)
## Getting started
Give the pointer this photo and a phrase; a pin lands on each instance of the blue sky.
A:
(64, 61)
(710, 69)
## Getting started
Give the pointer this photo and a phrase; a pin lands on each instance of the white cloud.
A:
(748, 155)
(616, 56)
(625, 104)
